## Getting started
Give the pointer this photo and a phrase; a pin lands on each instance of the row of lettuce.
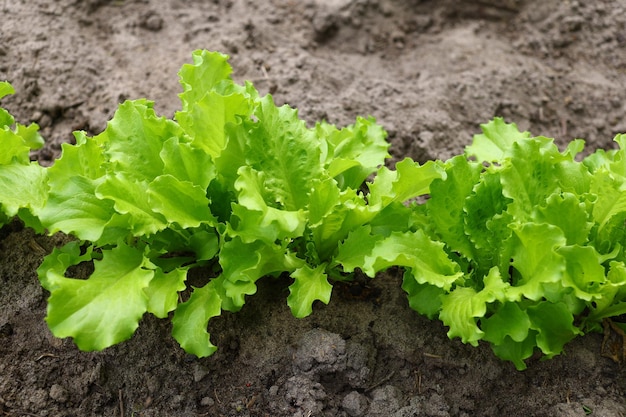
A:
(514, 243)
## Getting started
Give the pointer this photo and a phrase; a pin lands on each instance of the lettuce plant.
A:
(520, 245)
(234, 186)
(514, 243)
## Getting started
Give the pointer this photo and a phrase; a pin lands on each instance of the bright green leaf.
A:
(30, 135)
(206, 119)
(554, 326)
(6, 120)
(459, 311)
(208, 71)
(135, 137)
(610, 203)
(409, 180)
(423, 298)
(6, 89)
(355, 250)
(163, 291)
(191, 319)
(496, 139)
(508, 321)
(258, 220)
(310, 284)
(285, 151)
(74, 209)
(244, 263)
(179, 202)
(72, 205)
(22, 186)
(445, 207)
(131, 197)
(529, 175)
(427, 259)
(104, 309)
(52, 269)
(14, 149)
(585, 273)
(565, 211)
(535, 259)
(186, 163)
(461, 308)
(354, 152)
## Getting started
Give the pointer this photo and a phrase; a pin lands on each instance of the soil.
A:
(430, 72)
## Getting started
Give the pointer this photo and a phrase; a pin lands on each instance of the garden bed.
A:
(430, 73)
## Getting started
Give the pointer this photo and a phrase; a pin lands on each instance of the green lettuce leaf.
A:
(30, 134)
(6, 120)
(134, 138)
(72, 206)
(353, 153)
(554, 325)
(189, 324)
(528, 176)
(163, 291)
(310, 284)
(536, 261)
(254, 218)
(426, 259)
(285, 151)
(461, 308)
(244, 263)
(106, 308)
(497, 138)
(409, 180)
(22, 186)
(205, 120)
(180, 202)
(131, 198)
(447, 200)
(424, 298)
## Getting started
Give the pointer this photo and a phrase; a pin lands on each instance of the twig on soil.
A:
(250, 403)
(121, 399)
(418, 382)
(504, 7)
(614, 342)
(382, 381)
(19, 413)
(46, 355)
(432, 355)
(216, 397)
(36, 247)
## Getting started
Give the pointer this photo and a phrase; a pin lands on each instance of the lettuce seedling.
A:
(234, 184)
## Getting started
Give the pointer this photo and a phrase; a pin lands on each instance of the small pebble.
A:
(152, 21)
(207, 402)
(58, 393)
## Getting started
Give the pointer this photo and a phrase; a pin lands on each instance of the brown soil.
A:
(430, 72)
